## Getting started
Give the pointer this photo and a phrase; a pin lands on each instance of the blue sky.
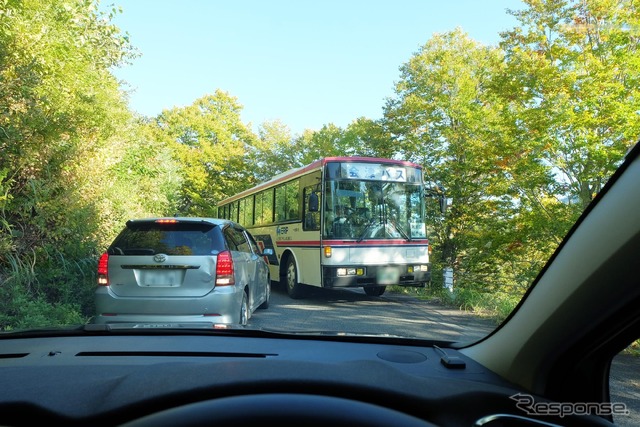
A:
(305, 63)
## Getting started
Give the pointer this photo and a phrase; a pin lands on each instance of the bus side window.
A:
(310, 222)
(311, 218)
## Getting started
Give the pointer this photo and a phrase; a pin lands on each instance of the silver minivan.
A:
(181, 271)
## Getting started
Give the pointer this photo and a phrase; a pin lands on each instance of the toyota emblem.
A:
(160, 258)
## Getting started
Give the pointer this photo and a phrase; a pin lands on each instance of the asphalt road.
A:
(351, 310)
(624, 387)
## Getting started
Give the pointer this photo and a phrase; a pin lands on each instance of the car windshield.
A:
(399, 168)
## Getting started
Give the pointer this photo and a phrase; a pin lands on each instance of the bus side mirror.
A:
(435, 190)
(313, 202)
(443, 204)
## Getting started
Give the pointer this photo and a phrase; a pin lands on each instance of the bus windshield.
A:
(360, 209)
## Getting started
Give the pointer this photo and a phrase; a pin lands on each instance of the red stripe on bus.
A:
(399, 242)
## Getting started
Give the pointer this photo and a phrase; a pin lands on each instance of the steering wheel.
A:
(279, 409)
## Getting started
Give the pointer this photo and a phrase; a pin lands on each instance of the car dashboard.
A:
(140, 378)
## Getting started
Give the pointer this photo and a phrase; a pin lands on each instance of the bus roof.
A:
(318, 164)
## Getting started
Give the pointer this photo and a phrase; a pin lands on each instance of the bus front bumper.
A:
(418, 275)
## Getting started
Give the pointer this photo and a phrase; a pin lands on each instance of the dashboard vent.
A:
(13, 355)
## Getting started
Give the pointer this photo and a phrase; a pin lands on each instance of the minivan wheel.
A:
(265, 303)
(244, 310)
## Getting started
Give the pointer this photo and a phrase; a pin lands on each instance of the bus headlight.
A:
(351, 271)
(417, 268)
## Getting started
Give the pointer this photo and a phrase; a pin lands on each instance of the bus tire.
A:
(290, 278)
(374, 291)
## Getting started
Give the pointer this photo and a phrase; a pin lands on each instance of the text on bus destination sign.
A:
(375, 172)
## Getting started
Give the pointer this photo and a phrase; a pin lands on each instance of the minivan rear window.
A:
(183, 238)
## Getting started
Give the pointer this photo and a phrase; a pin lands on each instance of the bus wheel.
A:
(294, 289)
(374, 291)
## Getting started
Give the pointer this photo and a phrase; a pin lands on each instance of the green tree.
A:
(276, 151)
(59, 106)
(571, 83)
(568, 90)
(210, 143)
(136, 176)
(362, 137)
(273, 152)
(523, 135)
(445, 118)
(368, 138)
(326, 142)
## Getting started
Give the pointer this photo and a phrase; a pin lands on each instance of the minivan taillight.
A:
(224, 269)
(103, 270)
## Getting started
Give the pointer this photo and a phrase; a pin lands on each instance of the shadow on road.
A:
(351, 310)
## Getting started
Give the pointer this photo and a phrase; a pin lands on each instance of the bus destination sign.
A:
(374, 172)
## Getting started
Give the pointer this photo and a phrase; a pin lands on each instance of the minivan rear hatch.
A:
(164, 258)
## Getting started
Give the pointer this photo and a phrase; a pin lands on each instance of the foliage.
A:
(276, 151)
(27, 313)
(210, 143)
(134, 163)
(522, 135)
(634, 349)
(25, 300)
(571, 85)
(273, 152)
(60, 104)
(445, 118)
(368, 138)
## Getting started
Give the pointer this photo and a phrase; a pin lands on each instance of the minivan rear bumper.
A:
(145, 320)
(220, 306)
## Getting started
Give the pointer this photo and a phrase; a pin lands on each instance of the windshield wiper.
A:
(401, 230)
(371, 222)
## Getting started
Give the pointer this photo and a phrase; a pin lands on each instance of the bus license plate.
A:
(388, 276)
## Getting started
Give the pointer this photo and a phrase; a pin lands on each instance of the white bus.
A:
(340, 222)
